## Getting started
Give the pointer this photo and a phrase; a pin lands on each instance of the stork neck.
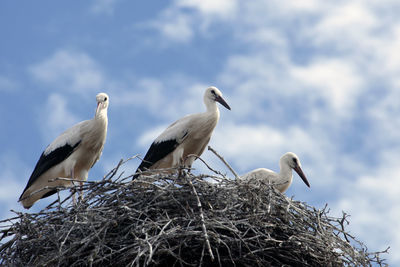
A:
(211, 106)
(101, 114)
(285, 171)
(212, 112)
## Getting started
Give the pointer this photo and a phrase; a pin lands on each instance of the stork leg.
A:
(181, 167)
(59, 200)
(73, 178)
(187, 162)
(81, 191)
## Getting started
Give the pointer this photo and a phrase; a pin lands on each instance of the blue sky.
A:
(319, 78)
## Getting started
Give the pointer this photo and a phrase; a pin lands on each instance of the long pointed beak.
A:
(222, 102)
(301, 174)
(98, 107)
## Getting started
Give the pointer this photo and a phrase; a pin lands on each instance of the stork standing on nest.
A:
(186, 136)
(283, 179)
(70, 155)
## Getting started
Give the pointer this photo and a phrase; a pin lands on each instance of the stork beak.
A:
(222, 102)
(98, 107)
(301, 174)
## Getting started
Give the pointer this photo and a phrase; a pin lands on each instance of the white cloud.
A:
(184, 18)
(165, 99)
(222, 8)
(56, 117)
(190, 17)
(372, 201)
(334, 80)
(256, 83)
(301, 5)
(149, 136)
(174, 26)
(384, 116)
(11, 189)
(147, 93)
(362, 32)
(348, 20)
(13, 177)
(69, 70)
(267, 87)
(251, 146)
(266, 37)
(191, 99)
(386, 57)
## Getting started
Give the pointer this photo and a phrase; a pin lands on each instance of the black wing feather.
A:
(156, 152)
(49, 193)
(47, 161)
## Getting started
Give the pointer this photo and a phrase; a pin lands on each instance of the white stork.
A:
(283, 179)
(70, 155)
(186, 136)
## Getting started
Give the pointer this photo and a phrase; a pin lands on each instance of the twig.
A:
(8, 243)
(203, 224)
(205, 163)
(341, 222)
(150, 249)
(226, 164)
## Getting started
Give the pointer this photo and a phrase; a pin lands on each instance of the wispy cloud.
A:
(185, 18)
(145, 93)
(371, 200)
(56, 117)
(223, 8)
(384, 114)
(13, 178)
(174, 26)
(335, 81)
(251, 146)
(69, 70)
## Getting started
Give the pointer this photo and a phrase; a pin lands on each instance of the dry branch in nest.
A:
(166, 220)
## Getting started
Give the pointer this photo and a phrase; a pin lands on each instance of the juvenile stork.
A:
(283, 179)
(186, 136)
(70, 155)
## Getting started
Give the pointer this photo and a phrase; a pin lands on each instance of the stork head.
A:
(213, 95)
(293, 161)
(102, 102)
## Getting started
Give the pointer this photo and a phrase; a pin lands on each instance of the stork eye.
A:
(295, 160)
(105, 99)
(213, 92)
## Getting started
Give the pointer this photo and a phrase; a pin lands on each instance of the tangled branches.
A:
(167, 220)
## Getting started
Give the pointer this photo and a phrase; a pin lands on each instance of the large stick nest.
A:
(187, 220)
